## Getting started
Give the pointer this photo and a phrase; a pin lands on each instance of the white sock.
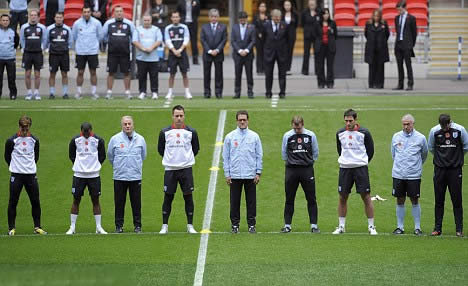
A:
(127, 91)
(52, 90)
(287, 225)
(370, 222)
(109, 92)
(341, 221)
(400, 214)
(93, 89)
(187, 89)
(169, 90)
(65, 89)
(29, 91)
(73, 218)
(36, 91)
(313, 225)
(78, 89)
(416, 211)
(98, 220)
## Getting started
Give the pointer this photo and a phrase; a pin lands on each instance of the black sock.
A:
(166, 207)
(189, 208)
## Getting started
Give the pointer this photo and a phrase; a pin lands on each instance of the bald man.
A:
(126, 153)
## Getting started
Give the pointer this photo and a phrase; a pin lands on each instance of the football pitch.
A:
(265, 258)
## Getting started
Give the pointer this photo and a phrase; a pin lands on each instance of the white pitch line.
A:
(201, 260)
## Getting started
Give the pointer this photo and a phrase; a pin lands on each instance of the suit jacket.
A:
(259, 26)
(309, 23)
(376, 41)
(214, 41)
(182, 10)
(238, 44)
(410, 32)
(102, 8)
(275, 45)
(332, 34)
(292, 25)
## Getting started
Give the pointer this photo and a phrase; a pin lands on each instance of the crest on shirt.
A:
(299, 147)
(178, 135)
(306, 140)
(181, 30)
(178, 142)
(454, 135)
(64, 32)
(124, 26)
(122, 145)
(299, 140)
(38, 30)
(447, 142)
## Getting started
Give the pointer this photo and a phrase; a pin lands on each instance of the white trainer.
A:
(339, 230)
(142, 96)
(77, 96)
(155, 95)
(28, 97)
(188, 95)
(100, 230)
(95, 96)
(70, 231)
(109, 96)
(37, 97)
(164, 229)
(372, 230)
(129, 95)
(169, 94)
(190, 229)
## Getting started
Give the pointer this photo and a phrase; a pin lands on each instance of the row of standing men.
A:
(178, 145)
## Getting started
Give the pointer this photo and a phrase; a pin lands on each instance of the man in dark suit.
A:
(405, 25)
(98, 9)
(275, 50)
(213, 38)
(189, 11)
(242, 42)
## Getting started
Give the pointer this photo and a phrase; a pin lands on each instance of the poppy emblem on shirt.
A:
(86, 143)
(122, 145)
(178, 135)
(454, 135)
(299, 140)
(236, 143)
(447, 135)
(24, 143)
(350, 137)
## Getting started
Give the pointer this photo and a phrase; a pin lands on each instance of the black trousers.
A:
(120, 198)
(145, 68)
(10, 66)
(218, 67)
(376, 72)
(401, 55)
(269, 67)
(259, 55)
(304, 176)
(247, 64)
(18, 18)
(325, 55)
(250, 200)
(193, 29)
(17, 181)
(451, 178)
(305, 60)
(291, 43)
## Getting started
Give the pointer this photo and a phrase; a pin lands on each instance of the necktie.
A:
(276, 29)
(401, 27)
(213, 28)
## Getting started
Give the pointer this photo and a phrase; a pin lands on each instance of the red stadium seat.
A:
(363, 18)
(71, 18)
(346, 20)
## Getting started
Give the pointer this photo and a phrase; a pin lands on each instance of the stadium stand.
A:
(345, 11)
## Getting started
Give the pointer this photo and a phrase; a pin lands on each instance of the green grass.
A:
(266, 258)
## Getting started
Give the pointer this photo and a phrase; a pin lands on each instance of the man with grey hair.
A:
(126, 153)
(409, 152)
(213, 38)
(275, 50)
